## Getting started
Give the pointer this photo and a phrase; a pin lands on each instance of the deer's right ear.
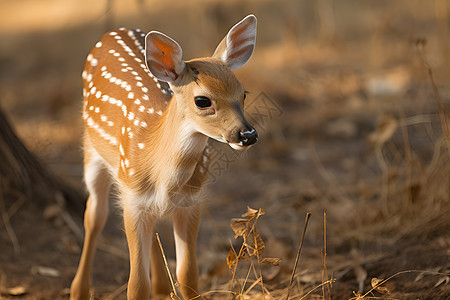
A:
(164, 57)
(237, 47)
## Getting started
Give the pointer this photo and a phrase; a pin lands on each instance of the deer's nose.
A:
(248, 137)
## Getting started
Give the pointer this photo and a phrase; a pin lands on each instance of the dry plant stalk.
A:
(442, 113)
(252, 247)
(377, 283)
(308, 215)
(173, 294)
(325, 271)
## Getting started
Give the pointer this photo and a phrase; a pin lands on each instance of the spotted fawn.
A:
(148, 115)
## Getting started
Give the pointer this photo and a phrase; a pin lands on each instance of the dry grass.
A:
(363, 141)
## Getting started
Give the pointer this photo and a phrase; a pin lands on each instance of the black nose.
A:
(248, 138)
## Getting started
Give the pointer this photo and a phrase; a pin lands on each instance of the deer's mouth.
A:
(238, 146)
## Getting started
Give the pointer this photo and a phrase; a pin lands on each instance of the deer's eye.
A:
(202, 102)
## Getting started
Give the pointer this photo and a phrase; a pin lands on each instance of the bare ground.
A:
(349, 126)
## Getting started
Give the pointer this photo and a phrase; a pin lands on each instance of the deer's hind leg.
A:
(98, 182)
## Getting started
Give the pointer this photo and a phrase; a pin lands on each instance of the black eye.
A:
(245, 95)
(202, 102)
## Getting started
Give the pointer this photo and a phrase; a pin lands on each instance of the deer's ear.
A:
(164, 57)
(237, 47)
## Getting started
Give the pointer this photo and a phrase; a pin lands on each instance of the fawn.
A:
(148, 116)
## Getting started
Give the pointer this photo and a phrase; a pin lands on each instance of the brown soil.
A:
(330, 79)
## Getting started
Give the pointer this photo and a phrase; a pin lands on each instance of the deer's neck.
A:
(173, 149)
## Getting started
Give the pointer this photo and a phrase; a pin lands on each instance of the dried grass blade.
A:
(308, 215)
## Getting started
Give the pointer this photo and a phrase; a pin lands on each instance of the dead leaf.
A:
(386, 128)
(421, 275)
(252, 213)
(274, 261)
(441, 280)
(361, 276)
(231, 259)
(52, 212)
(271, 274)
(14, 291)
(70, 245)
(239, 227)
(45, 271)
(255, 247)
(376, 285)
(259, 244)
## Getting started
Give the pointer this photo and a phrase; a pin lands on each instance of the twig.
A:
(442, 114)
(246, 278)
(112, 250)
(8, 227)
(70, 222)
(243, 247)
(117, 292)
(308, 214)
(259, 263)
(174, 291)
(14, 208)
(212, 292)
(266, 291)
(312, 290)
(408, 157)
(235, 268)
(251, 286)
(385, 177)
(395, 275)
(325, 271)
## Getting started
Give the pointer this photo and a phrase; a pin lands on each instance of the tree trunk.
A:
(22, 175)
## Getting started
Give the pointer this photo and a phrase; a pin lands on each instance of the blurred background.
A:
(351, 124)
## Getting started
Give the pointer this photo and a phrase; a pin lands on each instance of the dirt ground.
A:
(349, 122)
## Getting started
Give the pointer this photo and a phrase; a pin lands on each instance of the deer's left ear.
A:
(237, 47)
(164, 56)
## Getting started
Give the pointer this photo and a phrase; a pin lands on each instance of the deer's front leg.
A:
(185, 223)
(139, 234)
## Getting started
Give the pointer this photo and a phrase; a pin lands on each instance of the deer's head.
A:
(207, 91)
